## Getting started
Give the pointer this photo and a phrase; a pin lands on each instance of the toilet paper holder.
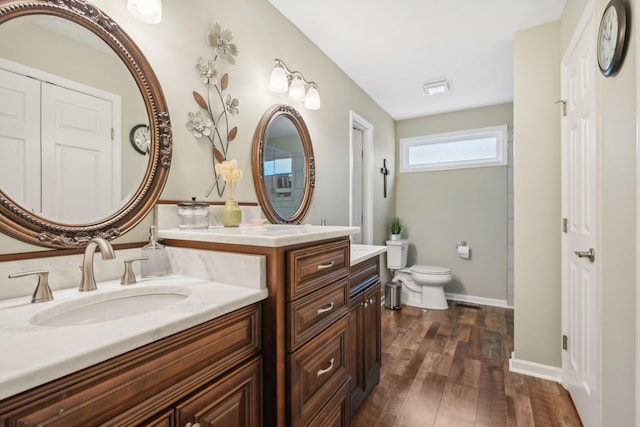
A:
(463, 250)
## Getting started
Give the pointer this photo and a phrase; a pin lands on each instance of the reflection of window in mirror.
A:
(280, 173)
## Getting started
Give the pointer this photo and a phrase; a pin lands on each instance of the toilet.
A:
(422, 285)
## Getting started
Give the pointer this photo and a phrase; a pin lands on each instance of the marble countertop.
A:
(33, 355)
(271, 235)
(361, 253)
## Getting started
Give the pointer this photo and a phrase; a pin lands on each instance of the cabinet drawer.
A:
(314, 267)
(317, 370)
(363, 274)
(315, 312)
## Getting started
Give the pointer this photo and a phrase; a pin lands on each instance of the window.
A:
(277, 167)
(455, 150)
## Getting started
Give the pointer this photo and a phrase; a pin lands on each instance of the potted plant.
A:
(396, 228)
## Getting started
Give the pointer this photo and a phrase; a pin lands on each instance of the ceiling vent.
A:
(436, 87)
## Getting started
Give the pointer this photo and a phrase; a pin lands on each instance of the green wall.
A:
(442, 208)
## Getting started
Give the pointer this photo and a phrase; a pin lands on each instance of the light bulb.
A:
(149, 11)
(278, 82)
(296, 90)
(312, 101)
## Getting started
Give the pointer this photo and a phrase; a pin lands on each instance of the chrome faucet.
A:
(88, 282)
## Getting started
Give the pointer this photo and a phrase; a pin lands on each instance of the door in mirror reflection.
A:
(80, 161)
(63, 159)
(20, 174)
(64, 151)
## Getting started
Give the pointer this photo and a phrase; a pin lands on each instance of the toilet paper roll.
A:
(464, 251)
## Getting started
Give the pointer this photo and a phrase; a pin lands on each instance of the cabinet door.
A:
(336, 411)
(355, 330)
(166, 419)
(372, 351)
(232, 401)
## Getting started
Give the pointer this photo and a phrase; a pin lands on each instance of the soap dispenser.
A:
(157, 263)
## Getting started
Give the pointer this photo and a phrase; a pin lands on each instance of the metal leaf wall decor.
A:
(209, 123)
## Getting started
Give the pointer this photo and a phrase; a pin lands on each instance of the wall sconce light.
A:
(148, 11)
(283, 80)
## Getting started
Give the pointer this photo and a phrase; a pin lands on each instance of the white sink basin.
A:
(110, 306)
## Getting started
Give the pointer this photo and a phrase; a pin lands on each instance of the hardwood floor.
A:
(451, 368)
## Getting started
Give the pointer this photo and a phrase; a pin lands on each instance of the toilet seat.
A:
(430, 269)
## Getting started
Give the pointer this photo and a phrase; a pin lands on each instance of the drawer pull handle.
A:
(192, 425)
(327, 265)
(324, 371)
(326, 308)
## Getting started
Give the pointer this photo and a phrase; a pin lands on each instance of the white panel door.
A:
(20, 139)
(78, 156)
(356, 182)
(579, 200)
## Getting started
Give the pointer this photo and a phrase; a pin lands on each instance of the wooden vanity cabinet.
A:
(209, 374)
(364, 331)
(304, 330)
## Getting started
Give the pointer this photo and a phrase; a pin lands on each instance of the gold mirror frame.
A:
(24, 225)
(257, 163)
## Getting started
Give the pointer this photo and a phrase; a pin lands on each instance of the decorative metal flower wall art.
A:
(209, 123)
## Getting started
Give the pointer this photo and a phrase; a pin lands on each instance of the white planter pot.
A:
(395, 236)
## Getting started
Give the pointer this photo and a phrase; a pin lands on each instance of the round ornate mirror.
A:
(283, 165)
(70, 173)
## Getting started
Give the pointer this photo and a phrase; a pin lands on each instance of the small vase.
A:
(231, 214)
(395, 237)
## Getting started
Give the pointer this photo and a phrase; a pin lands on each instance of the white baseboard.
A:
(534, 369)
(478, 300)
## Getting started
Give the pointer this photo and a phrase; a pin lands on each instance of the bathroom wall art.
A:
(212, 121)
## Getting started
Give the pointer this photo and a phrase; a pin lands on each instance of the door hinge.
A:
(565, 341)
(113, 134)
(564, 225)
(563, 106)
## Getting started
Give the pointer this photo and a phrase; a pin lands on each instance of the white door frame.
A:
(358, 122)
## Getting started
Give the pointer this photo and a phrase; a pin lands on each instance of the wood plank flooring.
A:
(450, 368)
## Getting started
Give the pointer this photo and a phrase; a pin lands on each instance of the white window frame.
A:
(497, 132)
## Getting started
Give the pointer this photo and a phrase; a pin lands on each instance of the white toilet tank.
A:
(397, 254)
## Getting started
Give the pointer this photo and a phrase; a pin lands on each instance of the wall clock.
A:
(612, 36)
(140, 138)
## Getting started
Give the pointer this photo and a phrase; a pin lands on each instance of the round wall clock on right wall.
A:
(612, 37)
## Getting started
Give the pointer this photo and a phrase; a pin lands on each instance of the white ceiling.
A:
(391, 48)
